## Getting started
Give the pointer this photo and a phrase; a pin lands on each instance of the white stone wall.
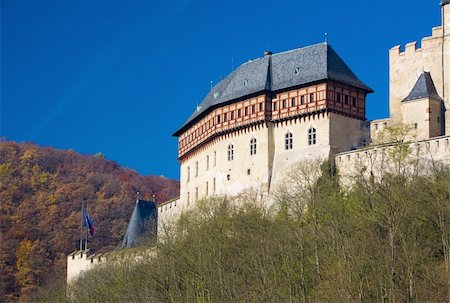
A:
(373, 161)
(82, 261)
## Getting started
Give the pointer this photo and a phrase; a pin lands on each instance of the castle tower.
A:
(406, 68)
(446, 61)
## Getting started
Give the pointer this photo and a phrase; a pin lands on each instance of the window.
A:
(248, 171)
(239, 113)
(293, 102)
(224, 117)
(376, 126)
(218, 119)
(196, 194)
(346, 99)
(311, 136)
(215, 157)
(354, 101)
(253, 109)
(246, 111)
(338, 97)
(415, 125)
(207, 162)
(288, 139)
(232, 115)
(302, 100)
(188, 198)
(311, 98)
(214, 185)
(275, 106)
(284, 104)
(228, 177)
(196, 169)
(188, 173)
(260, 107)
(230, 152)
(253, 146)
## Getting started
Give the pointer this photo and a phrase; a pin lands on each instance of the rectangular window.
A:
(239, 113)
(207, 162)
(354, 101)
(214, 185)
(346, 99)
(196, 169)
(275, 106)
(246, 111)
(215, 158)
(311, 98)
(260, 107)
(189, 173)
(293, 102)
(188, 198)
(224, 117)
(196, 194)
(232, 115)
(338, 97)
(302, 100)
(218, 119)
(284, 104)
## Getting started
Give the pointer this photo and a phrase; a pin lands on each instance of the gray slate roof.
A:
(444, 2)
(424, 88)
(278, 72)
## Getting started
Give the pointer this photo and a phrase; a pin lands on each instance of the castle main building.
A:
(266, 115)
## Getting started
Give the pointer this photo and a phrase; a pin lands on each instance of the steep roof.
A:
(277, 72)
(424, 88)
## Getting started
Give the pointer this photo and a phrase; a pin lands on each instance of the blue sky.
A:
(119, 77)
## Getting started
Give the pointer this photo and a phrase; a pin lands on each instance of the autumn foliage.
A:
(41, 190)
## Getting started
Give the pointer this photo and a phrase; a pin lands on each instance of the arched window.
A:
(230, 152)
(288, 139)
(312, 136)
(253, 146)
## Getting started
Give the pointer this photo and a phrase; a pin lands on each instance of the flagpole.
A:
(87, 230)
(81, 228)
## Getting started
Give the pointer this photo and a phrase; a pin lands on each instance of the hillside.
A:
(41, 190)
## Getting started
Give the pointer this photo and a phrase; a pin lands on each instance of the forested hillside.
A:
(41, 190)
(384, 241)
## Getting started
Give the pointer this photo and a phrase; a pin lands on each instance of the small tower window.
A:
(188, 173)
(284, 104)
(196, 194)
(288, 141)
(232, 115)
(293, 102)
(215, 158)
(239, 113)
(312, 136)
(354, 101)
(253, 109)
(207, 162)
(253, 146)
(275, 106)
(311, 98)
(246, 111)
(338, 97)
(196, 169)
(218, 119)
(230, 152)
(260, 107)
(214, 185)
(302, 100)
(224, 117)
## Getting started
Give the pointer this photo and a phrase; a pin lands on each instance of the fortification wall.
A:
(81, 261)
(374, 161)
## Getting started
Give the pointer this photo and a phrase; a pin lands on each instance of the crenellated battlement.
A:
(425, 44)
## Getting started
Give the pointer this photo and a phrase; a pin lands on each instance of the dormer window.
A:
(246, 82)
(297, 70)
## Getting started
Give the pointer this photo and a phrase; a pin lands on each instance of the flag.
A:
(87, 221)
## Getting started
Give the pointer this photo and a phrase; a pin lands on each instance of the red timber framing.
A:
(329, 96)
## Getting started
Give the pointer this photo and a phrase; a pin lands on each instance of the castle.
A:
(282, 108)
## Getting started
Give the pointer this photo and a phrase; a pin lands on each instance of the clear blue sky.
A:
(119, 77)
